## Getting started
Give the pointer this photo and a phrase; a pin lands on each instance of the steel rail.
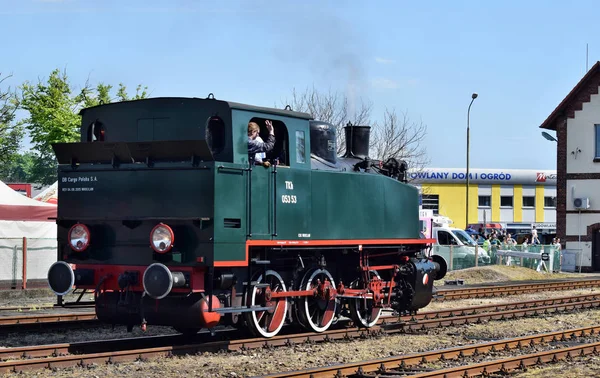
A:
(506, 365)
(481, 292)
(47, 318)
(386, 366)
(32, 308)
(60, 360)
(486, 316)
(498, 307)
(26, 308)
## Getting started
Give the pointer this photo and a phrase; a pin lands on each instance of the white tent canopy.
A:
(17, 207)
(49, 195)
(22, 217)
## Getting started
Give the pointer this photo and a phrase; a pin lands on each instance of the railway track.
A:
(442, 294)
(42, 308)
(25, 308)
(24, 322)
(495, 291)
(412, 364)
(109, 351)
(508, 306)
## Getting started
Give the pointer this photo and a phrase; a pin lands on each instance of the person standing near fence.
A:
(558, 248)
(510, 242)
(534, 236)
(486, 244)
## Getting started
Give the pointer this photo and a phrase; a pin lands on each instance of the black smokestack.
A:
(357, 141)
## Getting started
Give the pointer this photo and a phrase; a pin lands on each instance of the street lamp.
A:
(473, 97)
(549, 137)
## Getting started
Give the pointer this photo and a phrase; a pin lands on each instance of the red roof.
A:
(15, 206)
(573, 96)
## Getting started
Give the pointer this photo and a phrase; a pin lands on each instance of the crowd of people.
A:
(501, 239)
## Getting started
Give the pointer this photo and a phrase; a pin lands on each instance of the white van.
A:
(463, 244)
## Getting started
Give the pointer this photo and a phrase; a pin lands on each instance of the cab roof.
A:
(232, 105)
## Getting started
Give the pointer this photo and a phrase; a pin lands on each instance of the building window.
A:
(485, 201)
(506, 201)
(597, 128)
(528, 201)
(431, 202)
(549, 201)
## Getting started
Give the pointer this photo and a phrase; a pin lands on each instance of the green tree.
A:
(53, 108)
(140, 93)
(394, 137)
(101, 94)
(11, 133)
(19, 169)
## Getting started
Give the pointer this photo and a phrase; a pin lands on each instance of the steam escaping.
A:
(349, 67)
(332, 49)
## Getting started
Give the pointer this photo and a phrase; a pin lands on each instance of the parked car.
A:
(520, 237)
(487, 227)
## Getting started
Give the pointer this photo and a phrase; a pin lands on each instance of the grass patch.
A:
(502, 273)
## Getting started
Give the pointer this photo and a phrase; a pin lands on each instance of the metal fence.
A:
(539, 257)
(24, 259)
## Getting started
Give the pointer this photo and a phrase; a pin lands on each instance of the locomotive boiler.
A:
(163, 214)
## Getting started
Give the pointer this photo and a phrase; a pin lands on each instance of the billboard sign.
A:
(483, 176)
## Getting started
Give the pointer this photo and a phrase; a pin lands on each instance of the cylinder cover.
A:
(158, 281)
(61, 278)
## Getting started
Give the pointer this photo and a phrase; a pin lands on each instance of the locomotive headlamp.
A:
(79, 237)
(162, 238)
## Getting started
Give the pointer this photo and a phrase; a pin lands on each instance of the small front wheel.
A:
(361, 309)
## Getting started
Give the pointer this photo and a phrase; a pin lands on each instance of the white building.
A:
(576, 121)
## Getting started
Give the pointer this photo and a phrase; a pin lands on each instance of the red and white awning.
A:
(15, 206)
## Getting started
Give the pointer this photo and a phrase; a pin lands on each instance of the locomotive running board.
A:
(368, 296)
(257, 284)
(229, 310)
(130, 152)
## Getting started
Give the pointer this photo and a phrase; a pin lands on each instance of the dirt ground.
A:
(501, 273)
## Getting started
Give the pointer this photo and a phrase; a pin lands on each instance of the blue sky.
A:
(424, 58)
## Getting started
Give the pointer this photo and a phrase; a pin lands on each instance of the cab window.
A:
(300, 147)
(280, 151)
(96, 132)
(215, 134)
